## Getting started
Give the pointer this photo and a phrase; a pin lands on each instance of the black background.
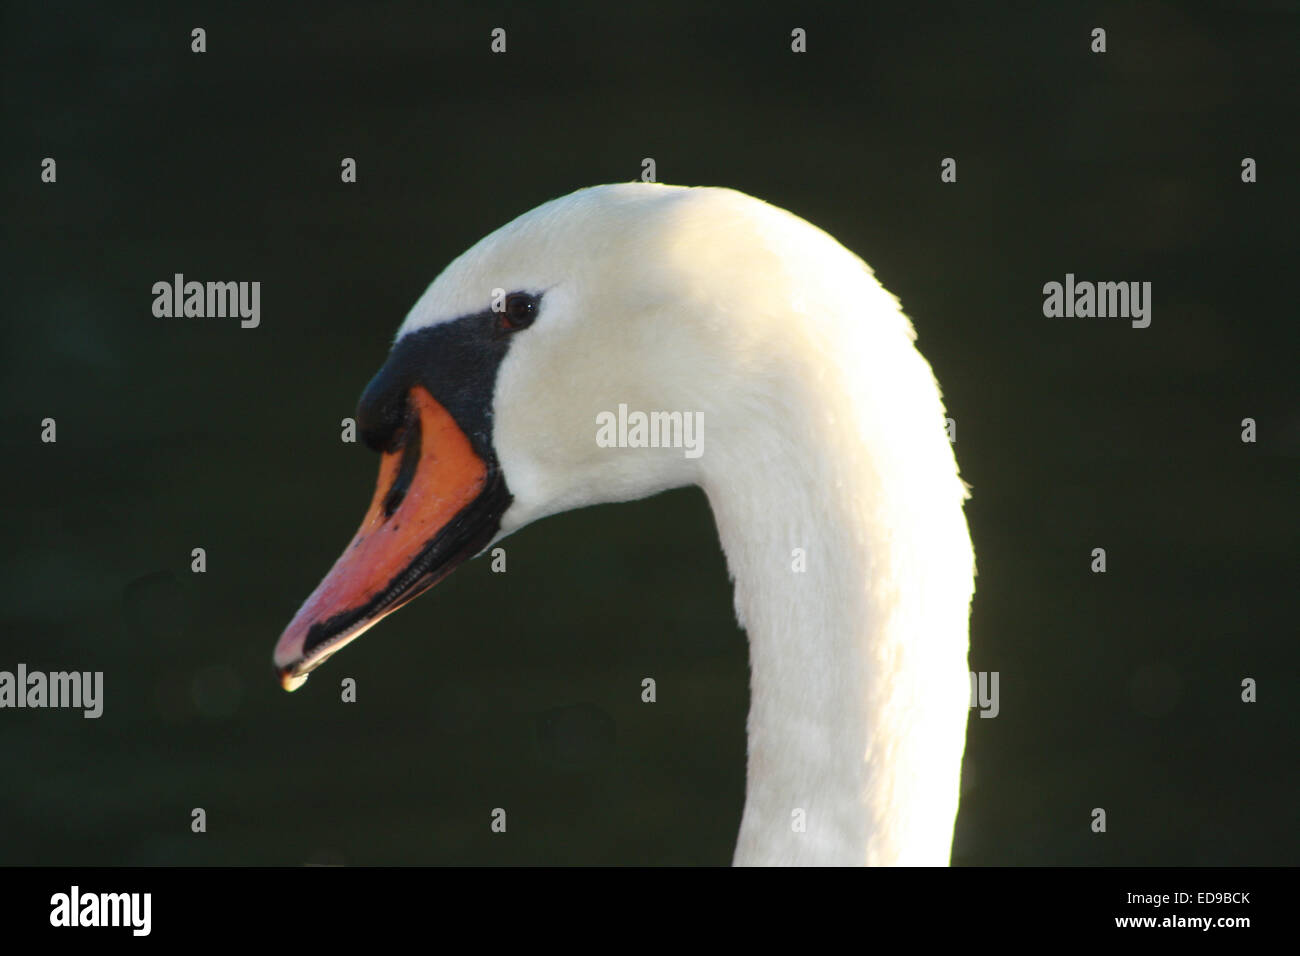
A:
(522, 690)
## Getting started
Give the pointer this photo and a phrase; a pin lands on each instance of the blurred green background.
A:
(522, 690)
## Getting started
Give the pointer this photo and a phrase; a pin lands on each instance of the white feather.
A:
(824, 430)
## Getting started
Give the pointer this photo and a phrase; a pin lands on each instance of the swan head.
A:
(485, 413)
(488, 412)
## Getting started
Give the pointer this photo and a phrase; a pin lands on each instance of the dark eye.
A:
(519, 312)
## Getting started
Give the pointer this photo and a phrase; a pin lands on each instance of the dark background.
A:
(522, 690)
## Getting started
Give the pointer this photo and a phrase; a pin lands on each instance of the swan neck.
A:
(853, 576)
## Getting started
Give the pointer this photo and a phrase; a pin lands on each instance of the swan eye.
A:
(520, 311)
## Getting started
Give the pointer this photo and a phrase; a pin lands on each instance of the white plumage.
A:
(824, 433)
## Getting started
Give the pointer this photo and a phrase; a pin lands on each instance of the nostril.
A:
(406, 471)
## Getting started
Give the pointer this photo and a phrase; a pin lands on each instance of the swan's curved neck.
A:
(842, 524)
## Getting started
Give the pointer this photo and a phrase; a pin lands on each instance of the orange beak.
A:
(437, 504)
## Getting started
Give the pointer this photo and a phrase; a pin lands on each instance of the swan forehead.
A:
(589, 233)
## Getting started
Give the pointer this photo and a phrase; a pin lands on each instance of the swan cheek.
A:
(436, 504)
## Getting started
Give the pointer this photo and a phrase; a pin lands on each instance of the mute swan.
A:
(825, 461)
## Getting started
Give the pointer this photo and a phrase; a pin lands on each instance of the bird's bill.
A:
(435, 506)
